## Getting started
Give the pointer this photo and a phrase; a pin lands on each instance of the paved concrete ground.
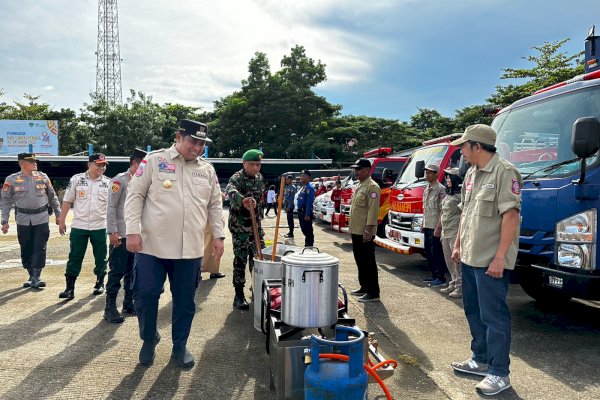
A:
(50, 348)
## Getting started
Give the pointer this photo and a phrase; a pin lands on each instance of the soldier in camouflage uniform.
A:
(245, 189)
(33, 195)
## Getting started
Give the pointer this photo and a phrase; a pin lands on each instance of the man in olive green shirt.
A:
(487, 245)
(363, 226)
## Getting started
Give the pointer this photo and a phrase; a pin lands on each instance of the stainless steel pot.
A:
(309, 289)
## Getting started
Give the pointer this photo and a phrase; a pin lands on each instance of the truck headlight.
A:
(576, 241)
(417, 223)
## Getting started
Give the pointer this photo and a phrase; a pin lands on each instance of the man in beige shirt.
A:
(487, 245)
(364, 210)
(170, 199)
(433, 195)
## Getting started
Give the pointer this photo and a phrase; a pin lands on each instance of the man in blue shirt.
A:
(306, 197)
(288, 203)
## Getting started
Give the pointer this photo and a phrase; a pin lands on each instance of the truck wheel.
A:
(381, 227)
(532, 282)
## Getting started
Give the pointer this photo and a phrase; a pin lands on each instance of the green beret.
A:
(252, 155)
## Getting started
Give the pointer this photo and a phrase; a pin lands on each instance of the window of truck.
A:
(431, 155)
(394, 166)
(537, 136)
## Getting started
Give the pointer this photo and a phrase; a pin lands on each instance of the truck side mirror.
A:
(585, 139)
(386, 176)
(420, 169)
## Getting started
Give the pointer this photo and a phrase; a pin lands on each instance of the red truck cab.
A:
(405, 218)
(385, 167)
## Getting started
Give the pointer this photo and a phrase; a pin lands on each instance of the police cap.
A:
(26, 156)
(138, 154)
(98, 158)
(305, 172)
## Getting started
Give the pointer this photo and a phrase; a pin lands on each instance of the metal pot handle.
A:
(310, 247)
(313, 270)
(345, 296)
(285, 253)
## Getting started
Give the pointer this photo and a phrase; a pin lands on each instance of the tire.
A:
(532, 282)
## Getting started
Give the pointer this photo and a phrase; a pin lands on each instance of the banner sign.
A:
(16, 136)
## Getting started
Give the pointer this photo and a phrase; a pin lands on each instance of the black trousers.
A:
(290, 221)
(307, 229)
(33, 240)
(435, 255)
(271, 206)
(120, 267)
(364, 255)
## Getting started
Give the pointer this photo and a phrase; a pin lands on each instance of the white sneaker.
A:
(493, 384)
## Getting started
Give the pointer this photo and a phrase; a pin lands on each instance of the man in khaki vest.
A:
(487, 245)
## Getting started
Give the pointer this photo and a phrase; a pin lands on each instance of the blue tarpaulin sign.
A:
(16, 136)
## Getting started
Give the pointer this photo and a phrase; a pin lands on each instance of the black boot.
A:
(69, 292)
(111, 314)
(128, 305)
(28, 283)
(36, 281)
(184, 358)
(147, 351)
(239, 301)
(99, 286)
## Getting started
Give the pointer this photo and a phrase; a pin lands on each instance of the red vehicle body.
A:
(385, 167)
(405, 218)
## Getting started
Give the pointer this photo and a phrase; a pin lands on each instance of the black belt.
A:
(32, 210)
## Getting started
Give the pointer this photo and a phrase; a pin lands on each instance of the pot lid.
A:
(310, 256)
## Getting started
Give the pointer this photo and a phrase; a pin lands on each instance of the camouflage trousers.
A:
(244, 250)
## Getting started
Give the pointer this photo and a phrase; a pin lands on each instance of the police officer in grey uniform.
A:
(33, 196)
(120, 260)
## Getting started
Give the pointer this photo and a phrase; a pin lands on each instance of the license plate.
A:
(555, 281)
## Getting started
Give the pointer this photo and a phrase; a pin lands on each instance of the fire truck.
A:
(405, 218)
(385, 167)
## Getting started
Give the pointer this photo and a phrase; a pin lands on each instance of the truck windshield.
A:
(431, 155)
(537, 136)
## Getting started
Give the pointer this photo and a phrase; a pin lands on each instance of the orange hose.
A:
(385, 362)
(370, 370)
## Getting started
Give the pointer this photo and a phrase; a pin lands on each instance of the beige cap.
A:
(479, 133)
(452, 171)
(432, 167)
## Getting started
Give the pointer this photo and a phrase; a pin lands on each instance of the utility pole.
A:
(108, 53)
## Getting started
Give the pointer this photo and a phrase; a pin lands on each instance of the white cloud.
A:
(49, 87)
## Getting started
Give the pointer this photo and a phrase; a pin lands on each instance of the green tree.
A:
(551, 66)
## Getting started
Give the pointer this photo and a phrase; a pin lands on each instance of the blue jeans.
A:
(149, 274)
(487, 313)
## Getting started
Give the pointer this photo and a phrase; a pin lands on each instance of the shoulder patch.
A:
(516, 188)
(373, 195)
(6, 187)
(116, 185)
(140, 170)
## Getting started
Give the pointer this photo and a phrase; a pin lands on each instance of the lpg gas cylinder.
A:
(328, 379)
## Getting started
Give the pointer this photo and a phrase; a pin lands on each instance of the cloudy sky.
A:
(384, 58)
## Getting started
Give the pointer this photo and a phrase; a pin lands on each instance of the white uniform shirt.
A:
(90, 199)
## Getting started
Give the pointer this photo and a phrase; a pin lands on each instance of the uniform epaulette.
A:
(155, 152)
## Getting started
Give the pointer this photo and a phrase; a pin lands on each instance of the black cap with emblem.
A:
(26, 156)
(195, 129)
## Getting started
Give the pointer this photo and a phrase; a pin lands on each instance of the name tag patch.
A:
(164, 166)
(488, 186)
